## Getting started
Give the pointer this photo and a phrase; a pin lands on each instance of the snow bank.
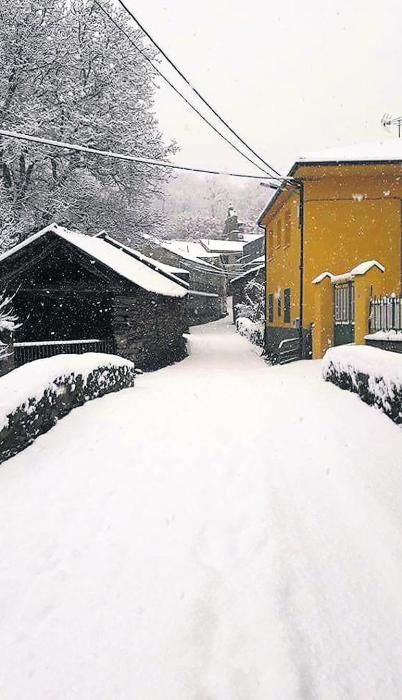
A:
(374, 374)
(250, 329)
(33, 397)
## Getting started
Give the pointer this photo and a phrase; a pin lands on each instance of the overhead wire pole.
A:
(123, 156)
(176, 90)
(194, 89)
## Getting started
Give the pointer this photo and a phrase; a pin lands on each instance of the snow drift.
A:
(374, 374)
(34, 396)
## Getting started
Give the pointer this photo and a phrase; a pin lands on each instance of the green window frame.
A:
(286, 305)
(270, 308)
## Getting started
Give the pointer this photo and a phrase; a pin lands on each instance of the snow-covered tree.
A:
(250, 314)
(253, 307)
(68, 73)
(196, 206)
(8, 323)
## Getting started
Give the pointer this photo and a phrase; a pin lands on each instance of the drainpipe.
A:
(264, 228)
(301, 265)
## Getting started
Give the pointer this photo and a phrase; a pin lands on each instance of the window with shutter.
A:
(270, 308)
(286, 305)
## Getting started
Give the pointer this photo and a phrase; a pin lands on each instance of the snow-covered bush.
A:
(253, 330)
(34, 396)
(374, 374)
(250, 314)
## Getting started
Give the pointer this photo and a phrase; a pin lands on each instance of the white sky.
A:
(290, 76)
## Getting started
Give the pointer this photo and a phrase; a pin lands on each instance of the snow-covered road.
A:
(223, 531)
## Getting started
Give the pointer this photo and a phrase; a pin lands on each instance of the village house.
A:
(207, 293)
(76, 293)
(333, 243)
(235, 230)
(236, 247)
(194, 250)
(236, 252)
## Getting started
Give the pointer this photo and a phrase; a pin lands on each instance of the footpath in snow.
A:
(223, 531)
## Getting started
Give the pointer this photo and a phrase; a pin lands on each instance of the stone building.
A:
(76, 293)
(207, 294)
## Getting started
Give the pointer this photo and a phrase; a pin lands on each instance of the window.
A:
(279, 304)
(288, 227)
(279, 234)
(286, 305)
(270, 244)
(270, 308)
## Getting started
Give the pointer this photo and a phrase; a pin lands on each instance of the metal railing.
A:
(289, 350)
(36, 350)
(385, 314)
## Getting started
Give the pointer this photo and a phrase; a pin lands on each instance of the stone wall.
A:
(148, 329)
(203, 308)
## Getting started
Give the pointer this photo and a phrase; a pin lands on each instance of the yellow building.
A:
(333, 239)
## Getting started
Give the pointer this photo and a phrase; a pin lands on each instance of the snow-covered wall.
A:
(374, 374)
(34, 396)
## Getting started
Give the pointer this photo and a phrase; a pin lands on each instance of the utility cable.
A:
(122, 156)
(176, 90)
(187, 81)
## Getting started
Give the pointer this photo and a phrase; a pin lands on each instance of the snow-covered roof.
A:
(149, 261)
(382, 151)
(385, 151)
(133, 266)
(356, 271)
(257, 261)
(192, 248)
(247, 273)
(322, 277)
(188, 256)
(218, 246)
(364, 267)
(248, 237)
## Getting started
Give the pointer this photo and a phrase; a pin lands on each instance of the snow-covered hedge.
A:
(374, 374)
(34, 396)
(253, 330)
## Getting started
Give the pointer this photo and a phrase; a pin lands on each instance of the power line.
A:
(176, 90)
(187, 81)
(121, 156)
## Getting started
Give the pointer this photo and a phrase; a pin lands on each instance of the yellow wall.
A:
(351, 214)
(283, 262)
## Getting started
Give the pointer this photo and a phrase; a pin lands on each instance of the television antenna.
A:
(388, 122)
